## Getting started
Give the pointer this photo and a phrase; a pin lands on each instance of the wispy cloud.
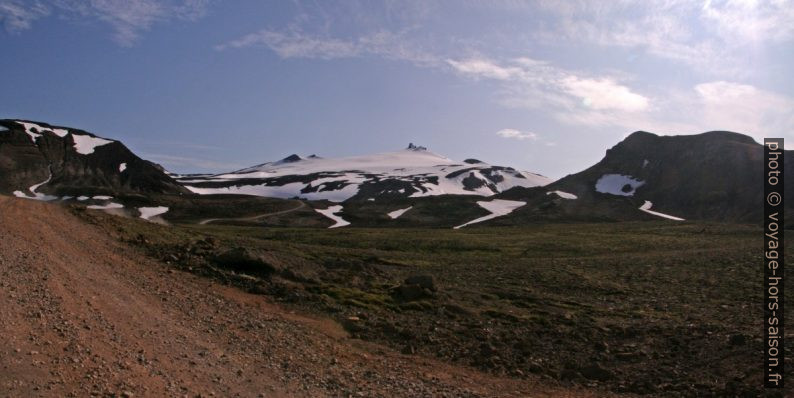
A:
(750, 20)
(17, 15)
(128, 18)
(295, 45)
(712, 36)
(516, 134)
(483, 68)
(298, 44)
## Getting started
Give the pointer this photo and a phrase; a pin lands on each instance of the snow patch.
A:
(82, 198)
(85, 144)
(645, 163)
(148, 212)
(397, 213)
(111, 205)
(285, 191)
(102, 197)
(613, 184)
(291, 190)
(37, 195)
(331, 213)
(646, 207)
(35, 135)
(35, 187)
(497, 207)
(29, 130)
(564, 195)
(122, 167)
(60, 132)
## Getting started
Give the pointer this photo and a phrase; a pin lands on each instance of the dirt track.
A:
(256, 217)
(81, 314)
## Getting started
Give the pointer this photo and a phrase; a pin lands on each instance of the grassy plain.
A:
(659, 308)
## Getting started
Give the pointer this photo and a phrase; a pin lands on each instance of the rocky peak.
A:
(291, 159)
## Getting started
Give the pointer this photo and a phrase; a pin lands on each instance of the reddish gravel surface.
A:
(83, 315)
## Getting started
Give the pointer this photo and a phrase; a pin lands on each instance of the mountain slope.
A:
(39, 160)
(412, 172)
(711, 176)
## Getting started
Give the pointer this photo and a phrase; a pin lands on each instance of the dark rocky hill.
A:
(73, 162)
(716, 176)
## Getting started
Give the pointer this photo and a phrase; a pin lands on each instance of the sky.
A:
(543, 86)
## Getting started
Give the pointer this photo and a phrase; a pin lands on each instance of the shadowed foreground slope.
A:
(82, 314)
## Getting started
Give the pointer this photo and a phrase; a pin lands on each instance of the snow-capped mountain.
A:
(412, 172)
(41, 161)
(709, 176)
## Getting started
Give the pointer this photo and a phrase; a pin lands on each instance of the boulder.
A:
(596, 372)
(411, 292)
(423, 281)
(415, 288)
(246, 261)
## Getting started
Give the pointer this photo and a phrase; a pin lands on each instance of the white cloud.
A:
(533, 84)
(716, 105)
(16, 15)
(481, 68)
(604, 94)
(516, 134)
(603, 101)
(745, 108)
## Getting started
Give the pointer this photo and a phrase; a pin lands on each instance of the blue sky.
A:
(545, 86)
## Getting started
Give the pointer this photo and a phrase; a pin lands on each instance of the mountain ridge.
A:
(412, 172)
(710, 176)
